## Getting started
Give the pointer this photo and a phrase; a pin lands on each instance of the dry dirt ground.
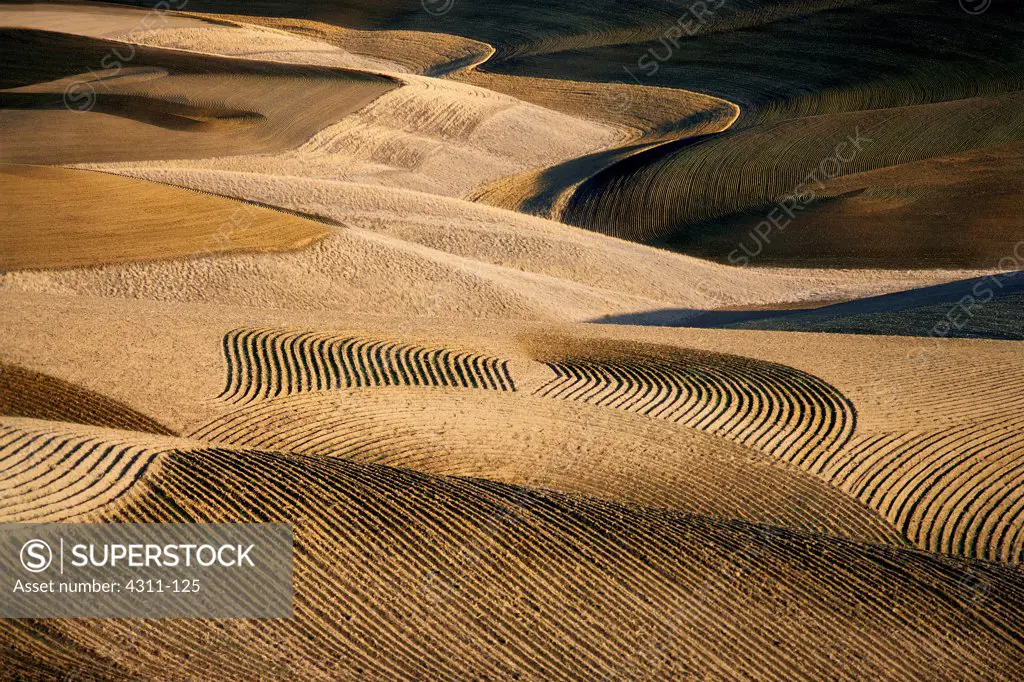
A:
(338, 264)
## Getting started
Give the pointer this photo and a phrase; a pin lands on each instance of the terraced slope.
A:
(773, 408)
(264, 363)
(525, 440)
(24, 393)
(52, 472)
(402, 575)
(671, 189)
(61, 218)
(109, 101)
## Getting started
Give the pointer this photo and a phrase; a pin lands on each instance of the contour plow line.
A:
(958, 490)
(266, 363)
(779, 410)
(567, 447)
(56, 472)
(26, 393)
(379, 549)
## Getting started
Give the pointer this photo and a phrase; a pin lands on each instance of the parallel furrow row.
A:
(773, 408)
(25, 393)
(426, 569)
(54, 476)
(616, 457)
(958, 490)
(266, 363)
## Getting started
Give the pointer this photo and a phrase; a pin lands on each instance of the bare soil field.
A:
(479, 470)
(814, 58)
(109, 102)
(466, 547)
(900, 204)
(63, 218)
(947, 310)
(454, 290)
(802, 404)
(650, 197)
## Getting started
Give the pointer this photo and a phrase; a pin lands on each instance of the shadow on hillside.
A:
(989, 307)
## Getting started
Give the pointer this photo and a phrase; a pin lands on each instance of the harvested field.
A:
(806, 46)
(813, 57)
(662, 194)
(269, 363)
(24, 393)
(773, 408)
(887, 217)
(654, 116)
(376, 475)
(150, 103)
(341, 266)
(977, 308)
(84, 227)
(462, 542)
(733, 396)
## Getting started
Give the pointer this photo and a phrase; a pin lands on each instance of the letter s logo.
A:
(36, 556)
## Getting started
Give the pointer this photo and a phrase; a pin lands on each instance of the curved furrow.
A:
(774, 408)
(50, 473)
(677, 191)
(455, 577)
(973, 506)
(958, 490)
(526, 440)
(264, 363)
(33, 395)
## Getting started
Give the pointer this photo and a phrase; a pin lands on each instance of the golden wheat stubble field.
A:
(339, 265)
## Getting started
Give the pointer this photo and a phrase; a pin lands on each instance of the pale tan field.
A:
(654, 398)
(479, 262)
(57, 218)
(313, 263)
(401, 406)
(106, 101)
(979, 192)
